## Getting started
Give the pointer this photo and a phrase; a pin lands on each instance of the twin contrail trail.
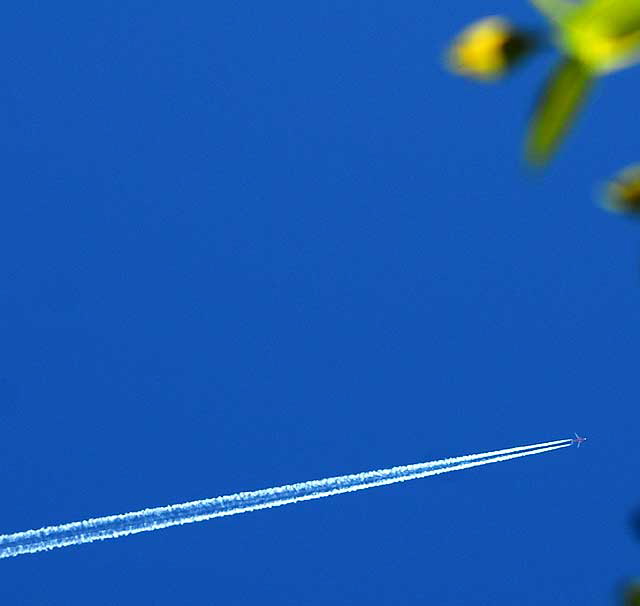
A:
(114, 526)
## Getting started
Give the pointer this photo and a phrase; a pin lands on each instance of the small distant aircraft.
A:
(578, 440)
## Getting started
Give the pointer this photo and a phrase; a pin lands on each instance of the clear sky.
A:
(247, 244)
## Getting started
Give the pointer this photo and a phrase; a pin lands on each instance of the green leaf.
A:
(563, 95)
(556, 10)
(615, 18)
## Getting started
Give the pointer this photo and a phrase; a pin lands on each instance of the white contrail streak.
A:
(111, 527)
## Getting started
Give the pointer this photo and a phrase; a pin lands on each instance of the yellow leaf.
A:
(487, 48)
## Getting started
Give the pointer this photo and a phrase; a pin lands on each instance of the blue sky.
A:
(250, 245)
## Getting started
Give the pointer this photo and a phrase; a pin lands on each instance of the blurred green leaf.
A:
(631, 594)
(614, 17)
(602, 34)
(556, 10)
(563, 95)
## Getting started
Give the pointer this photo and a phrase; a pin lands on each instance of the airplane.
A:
(578, 440)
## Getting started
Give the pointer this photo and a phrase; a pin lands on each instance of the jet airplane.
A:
(578, 439)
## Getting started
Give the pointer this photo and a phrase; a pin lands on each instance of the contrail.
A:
(111, 527)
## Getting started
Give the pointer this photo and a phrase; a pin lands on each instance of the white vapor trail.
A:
(111, 527)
